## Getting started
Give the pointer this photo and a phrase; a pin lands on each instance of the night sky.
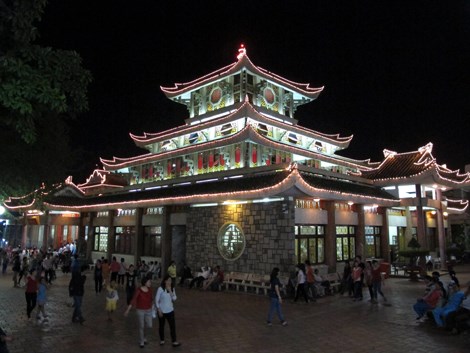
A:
(396, 73)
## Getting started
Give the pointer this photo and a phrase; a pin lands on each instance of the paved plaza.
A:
(229, 322)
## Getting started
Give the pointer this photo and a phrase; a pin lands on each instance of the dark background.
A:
(396, 73)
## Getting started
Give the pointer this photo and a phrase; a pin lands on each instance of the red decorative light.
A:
(237, 155)
(199, 161)
(254, 155)
(178, 166)
(211, 159)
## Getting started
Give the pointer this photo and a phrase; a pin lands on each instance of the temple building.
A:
(243, 185)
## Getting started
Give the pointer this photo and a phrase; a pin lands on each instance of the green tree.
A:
(40, 89)
(413, 243)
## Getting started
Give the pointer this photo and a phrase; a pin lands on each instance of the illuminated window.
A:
(101, 239)
(231, 241)
(345, 243)
(310, 243)
(372, 248)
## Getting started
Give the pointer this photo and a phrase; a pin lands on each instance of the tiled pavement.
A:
(230, 322)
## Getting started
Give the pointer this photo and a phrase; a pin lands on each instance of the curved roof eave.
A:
(247, 133)
(187, 129)
(457, 206)
(118, 163)
(453, 175)
(197, 198)
(308, 189)
(244, 62)
(428, 176)
(293, 180)
(246, 109)
(334, 139)
(262, 140)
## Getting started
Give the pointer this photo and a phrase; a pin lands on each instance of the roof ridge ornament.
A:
(427, 148)
(388, 153)
(241, 51)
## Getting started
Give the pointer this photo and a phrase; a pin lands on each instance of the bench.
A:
(259, 283)
(414, 272)
(235, 280)
(251, 282)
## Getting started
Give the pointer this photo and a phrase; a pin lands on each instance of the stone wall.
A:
(268, 230)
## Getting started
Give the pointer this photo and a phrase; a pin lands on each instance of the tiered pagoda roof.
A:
(360, 181)
(250, 114)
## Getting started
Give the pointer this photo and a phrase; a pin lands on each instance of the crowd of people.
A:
(34, 270)
(446, 305)
(309, 284)
(207, 278)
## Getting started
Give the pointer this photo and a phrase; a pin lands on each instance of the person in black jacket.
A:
(4, 338)
(16, 268)
(76, 291)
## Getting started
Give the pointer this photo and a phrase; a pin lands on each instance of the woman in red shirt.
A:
(357, 271)
(31, 292)
(142, 301)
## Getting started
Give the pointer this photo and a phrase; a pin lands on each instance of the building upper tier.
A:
(239, 81)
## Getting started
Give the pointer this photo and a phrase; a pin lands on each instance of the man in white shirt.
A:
(47, 266)
(202, 276)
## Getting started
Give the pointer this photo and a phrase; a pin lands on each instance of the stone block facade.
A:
(269, 236)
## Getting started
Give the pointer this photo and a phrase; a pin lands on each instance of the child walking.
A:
(41, 299)
(112, 298)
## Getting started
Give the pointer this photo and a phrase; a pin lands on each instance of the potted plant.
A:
(413, 268)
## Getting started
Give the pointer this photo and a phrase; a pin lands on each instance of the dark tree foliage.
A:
(40, 89)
